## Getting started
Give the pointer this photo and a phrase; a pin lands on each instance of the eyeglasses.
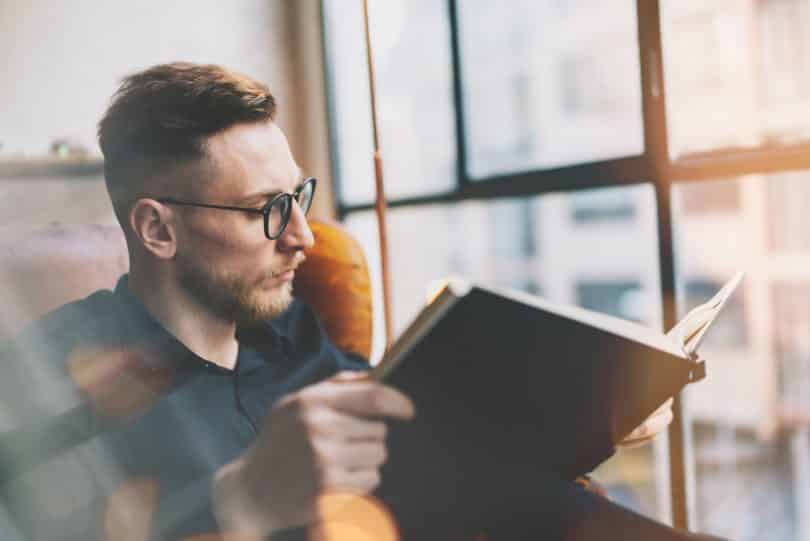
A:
(276, 212)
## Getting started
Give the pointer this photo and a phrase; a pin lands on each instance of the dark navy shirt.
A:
(97, 398)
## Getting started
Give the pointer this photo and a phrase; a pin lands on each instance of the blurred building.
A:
(548, 84)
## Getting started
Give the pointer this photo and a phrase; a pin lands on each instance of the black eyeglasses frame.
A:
(264, 210)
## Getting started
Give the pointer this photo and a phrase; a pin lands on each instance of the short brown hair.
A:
(159, 119)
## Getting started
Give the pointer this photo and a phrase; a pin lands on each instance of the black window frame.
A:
(654, 166)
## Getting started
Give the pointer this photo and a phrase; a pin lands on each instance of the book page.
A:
(690, 330)
(438, 305)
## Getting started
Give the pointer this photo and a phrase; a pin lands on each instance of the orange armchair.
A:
(41, 271)
(335, 282)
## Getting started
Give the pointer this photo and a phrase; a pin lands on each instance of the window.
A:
(615, 155)
(545, 86)
(745, 417)
(712, 197)
(601, 206)
(615, 298)
(784, 68)
(739, 73)
(786, 198)
(415, 95)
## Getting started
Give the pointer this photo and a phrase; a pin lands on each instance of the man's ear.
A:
(153, 225)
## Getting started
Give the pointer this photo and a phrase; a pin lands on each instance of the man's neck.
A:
(198, 329)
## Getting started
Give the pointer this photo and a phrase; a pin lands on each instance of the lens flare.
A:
(351, 517)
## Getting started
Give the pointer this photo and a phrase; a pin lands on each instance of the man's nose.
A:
(297, 235)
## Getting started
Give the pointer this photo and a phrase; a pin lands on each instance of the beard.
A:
(230, 297)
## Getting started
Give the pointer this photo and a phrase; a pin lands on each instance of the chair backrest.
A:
(41, 271)
(335, 281)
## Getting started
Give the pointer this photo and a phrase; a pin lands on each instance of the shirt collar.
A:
(145, 330)
(265, 337)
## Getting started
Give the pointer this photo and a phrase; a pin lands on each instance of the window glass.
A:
(413, 75)
(748, 421)
(549, 83)
(601, 206)
(617, 298)
(737, 73)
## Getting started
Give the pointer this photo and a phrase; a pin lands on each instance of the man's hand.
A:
(650, 428)
(326, 437)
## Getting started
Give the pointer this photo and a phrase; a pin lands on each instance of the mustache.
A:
(296, 261)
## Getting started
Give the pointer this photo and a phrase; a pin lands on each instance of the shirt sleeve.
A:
(47, 489)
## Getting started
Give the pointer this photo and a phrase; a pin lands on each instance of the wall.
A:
(63, 60)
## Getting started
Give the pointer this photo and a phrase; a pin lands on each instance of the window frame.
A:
(654, 166)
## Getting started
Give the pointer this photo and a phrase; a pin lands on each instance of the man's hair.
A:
(159, 119)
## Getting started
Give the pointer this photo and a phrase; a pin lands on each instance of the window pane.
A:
(737, 74)
(606, 261)
(749, 418)
(549, 83)
(413, 71)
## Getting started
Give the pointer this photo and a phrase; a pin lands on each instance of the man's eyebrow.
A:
(262, 197)
(257, 198)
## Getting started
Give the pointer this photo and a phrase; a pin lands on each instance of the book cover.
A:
(502, 378)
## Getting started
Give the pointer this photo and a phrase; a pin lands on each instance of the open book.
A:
(683, 339)
(504, 377)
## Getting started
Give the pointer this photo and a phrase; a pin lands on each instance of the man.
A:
(200, 396)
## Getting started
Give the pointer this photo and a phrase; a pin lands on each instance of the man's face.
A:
(223, 258)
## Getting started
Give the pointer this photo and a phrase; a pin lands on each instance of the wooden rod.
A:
(380, 204)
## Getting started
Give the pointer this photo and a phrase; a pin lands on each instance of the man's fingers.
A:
(368, 399)
(659, 419)
(655, 424)
(651, 427)
(665, 406)
(332, 423)
(353, 481)
(349, 456)
(350, 375)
